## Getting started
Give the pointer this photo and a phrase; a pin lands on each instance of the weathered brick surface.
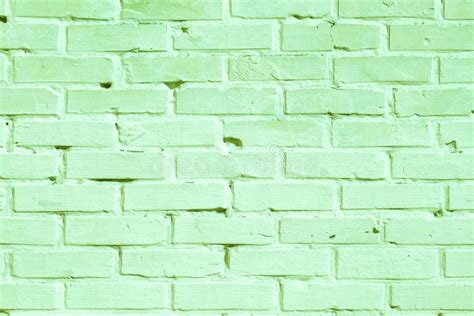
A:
(236, 157)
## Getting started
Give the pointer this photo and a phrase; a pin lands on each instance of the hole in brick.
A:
(375, 230)
(105, 85)
(234, 141)
(185, 29)
(173, 84)
(3, 19)
(332, 236)
(62, 147)
(438, 213)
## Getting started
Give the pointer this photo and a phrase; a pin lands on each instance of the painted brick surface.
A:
(236, 157)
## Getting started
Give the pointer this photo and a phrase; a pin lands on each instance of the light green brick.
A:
(459, 263)
(353, 37)
(223, 230)
(224, 295)
(266, 9)
(225, 37)
(271, 68)
(299, 295)
(457, 133)
(232, 165)
(279, 261)
(337, 164)
(433, 296)
(434, 166)
(307, 37)
(175, 196)
(117, 101)
(117, 295)
(19, 101)
(274, 133)
(2, 7)
(387, 9)
(434, 102)
(383, 69)
(62, 69)
(28, 230)
(29, 36)
(430, 231)
(387, 263)
(172, 10)
(115, 230)
(426, 37)
(3, 132)
(63, 264)
(114, 165)
(182, 262)
(459, 9)
(3, 65)
(65, 133)
(40, 295)
(283, 196)
(453, 69)
(64, 198)
(170, 69)
(168, 133)
(331, 101)
(387, 196)
(381, 133)
(109, 38)
(461, 197)
(329, 230)
(226, 101)
(82, 9)
(28, 166)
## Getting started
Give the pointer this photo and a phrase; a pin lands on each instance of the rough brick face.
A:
(236, 157)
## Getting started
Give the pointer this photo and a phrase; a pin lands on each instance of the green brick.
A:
(223, 230)
(461, 197)
(225, 37)
(109, 38)
(40, 295)
(168, 133)
(3, 65)
(280, 8)
(65, 133)
(16, 101)
(453, 69)
(283, 196)
(62, 69)
(2, 7)
(276, 262)
(381, 133)
(353, 37)
(28, 231)
(273, 133)
(387, 196)
(361, 230)
(114, 165)
(337, 164)
(172, 10)
(117, 101)
(29, 36)
(171, 69)
(459, 263)
(451, 296)
(226, 101)
(387, 263)
(458, 133)
(430, 232)
(64, 198)
(435, 102)
(118, 295)
(459, 9)
(115, 230)
(331, 101)
(182, 262)
(299, 295)
(28, 166)
(82, 9)
(63, 264)
(175, 196)
(271, 68)
(307, 37)
(232, 165)
(426, 37)
(387, 9)
(439, 166)
(224, 295)
(383, 69)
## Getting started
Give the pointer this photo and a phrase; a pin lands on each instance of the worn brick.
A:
(82, 9)
(280, 8)
(387, 9)
(459, 134)
(459, 9)
(459, 263)
(40, 295)
(29, 36)
(172, 10)
(28, 166)
(16, 101)
(453, 69)
(28, 230)
(461, 197)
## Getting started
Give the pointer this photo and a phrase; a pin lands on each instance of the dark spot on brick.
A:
(3, 19)
(232, 140)
(375, 230)
(332, 236)
(105, 85)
